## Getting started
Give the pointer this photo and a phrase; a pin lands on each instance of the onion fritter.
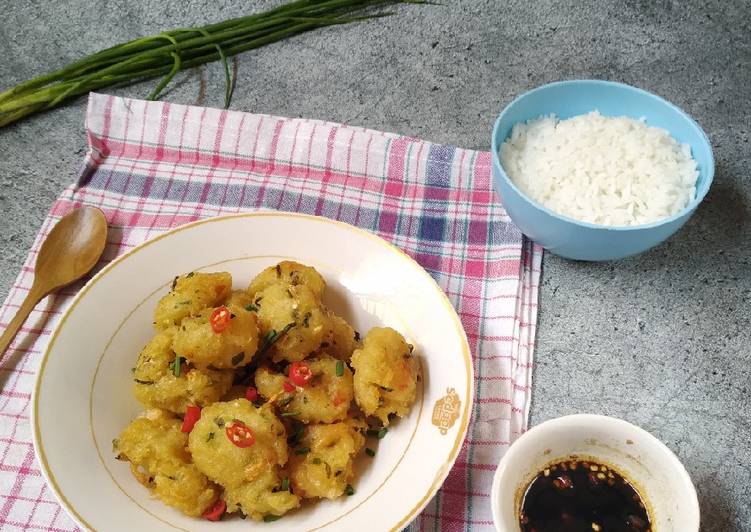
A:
(326, 469)
(288, 273)
(190, 294)
(385, 374)
(156, 384)
(156, 449)
(197, 341)
(294, 317)
(324, 399)
(249, 470)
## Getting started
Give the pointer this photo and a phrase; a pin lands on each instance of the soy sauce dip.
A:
(582, 496)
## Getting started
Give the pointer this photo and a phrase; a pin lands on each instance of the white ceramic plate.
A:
(83, 393)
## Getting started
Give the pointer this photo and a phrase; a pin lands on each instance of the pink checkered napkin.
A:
(152, 166)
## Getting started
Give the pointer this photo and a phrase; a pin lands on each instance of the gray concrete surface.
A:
(662, 340)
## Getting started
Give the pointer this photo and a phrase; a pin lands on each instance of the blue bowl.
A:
(579, 240)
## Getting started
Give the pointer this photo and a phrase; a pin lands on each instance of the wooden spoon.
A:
(71, 249)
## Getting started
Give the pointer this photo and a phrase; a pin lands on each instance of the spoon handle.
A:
(33, 297)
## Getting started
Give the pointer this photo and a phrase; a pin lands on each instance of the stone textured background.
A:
(662, 340)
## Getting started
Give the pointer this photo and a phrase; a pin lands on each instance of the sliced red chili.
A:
(251, 394)
(288, 387)
(192, 415)
(240, 434)
(215, 512)
(220, 319)
(299, 373)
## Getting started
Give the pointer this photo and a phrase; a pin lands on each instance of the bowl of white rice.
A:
(598, 170)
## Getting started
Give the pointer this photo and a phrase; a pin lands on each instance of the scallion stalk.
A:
(170, 52)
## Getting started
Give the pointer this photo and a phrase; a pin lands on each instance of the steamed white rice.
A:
(611, 171)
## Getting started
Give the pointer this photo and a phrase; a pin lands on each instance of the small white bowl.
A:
(654, 470)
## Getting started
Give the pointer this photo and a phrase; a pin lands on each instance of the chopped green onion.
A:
(272, 336)
(370, 452)
(339, 368)
(302, 450)
(290, 414)
(176, 365)
(380, 433)
(316, 461)
(349, 490)
(271, 517)
(251, 308)
(210, 436)
(139, 381)
(285, 484)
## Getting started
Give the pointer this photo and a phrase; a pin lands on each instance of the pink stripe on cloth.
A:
(152, 166)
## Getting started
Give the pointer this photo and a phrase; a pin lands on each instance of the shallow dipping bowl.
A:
(571, 238)
(655, 472)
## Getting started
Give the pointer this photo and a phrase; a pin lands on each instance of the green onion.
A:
(380, 433)
(251, 308)
(176, 365)
(210, 437)
(316, 461)
(349, 490)
(290, 414)
(272, 336)
(302, 450)
(271, 517)
(285, 484)
(370, 452)
(169, 52)
(339, 368)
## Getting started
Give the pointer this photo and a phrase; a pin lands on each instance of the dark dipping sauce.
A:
(582, 496)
